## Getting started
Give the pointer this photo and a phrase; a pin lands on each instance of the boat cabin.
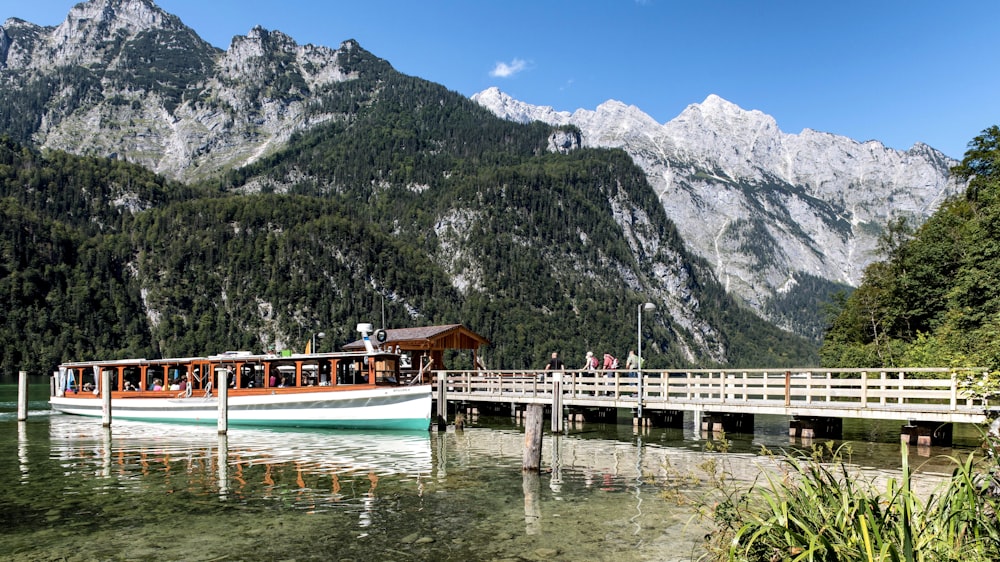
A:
(242, 372)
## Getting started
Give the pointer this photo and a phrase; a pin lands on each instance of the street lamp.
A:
(312, 341)
(647, 307)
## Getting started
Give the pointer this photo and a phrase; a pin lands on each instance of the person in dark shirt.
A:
(555, 364)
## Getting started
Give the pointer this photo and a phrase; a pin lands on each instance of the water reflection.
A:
(22, 449)
(530, 486)
(162, 446)
(222, 462)
(638, 486)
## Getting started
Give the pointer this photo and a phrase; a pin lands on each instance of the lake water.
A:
(76, 491)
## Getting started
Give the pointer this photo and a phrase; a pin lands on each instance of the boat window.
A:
(87, 382)
(285, 373)
(386, 370)
(310, 377)
(154, 373)
(72, 380)
(198, 381)
(324, 373)
(352, 371)
(251, 376)
(175, 374)
(131, 379)
(226, 373)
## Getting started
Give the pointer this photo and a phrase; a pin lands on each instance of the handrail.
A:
(883, 390)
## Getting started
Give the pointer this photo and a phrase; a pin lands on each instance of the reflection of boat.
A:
(317, 390)
(316, 451)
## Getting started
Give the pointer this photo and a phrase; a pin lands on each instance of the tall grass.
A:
(819, 510)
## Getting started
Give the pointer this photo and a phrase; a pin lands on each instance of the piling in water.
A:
(533, 422)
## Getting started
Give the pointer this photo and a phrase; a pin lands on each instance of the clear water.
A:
(76, 491)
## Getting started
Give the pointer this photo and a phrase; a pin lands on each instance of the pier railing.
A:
(928, 393)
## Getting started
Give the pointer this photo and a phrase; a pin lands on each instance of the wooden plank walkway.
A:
(932, 395)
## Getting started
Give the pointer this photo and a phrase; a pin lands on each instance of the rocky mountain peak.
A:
(511, 109)
(764, 207)
(146, 88)
(89, 29)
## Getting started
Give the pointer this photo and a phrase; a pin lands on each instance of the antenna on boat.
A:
(366, 329)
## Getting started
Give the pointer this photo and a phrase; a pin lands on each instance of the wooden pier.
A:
(816, 400)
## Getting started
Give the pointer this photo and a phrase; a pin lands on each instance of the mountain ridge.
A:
(732, 180)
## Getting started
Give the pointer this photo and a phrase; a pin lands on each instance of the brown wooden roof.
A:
(449, 336)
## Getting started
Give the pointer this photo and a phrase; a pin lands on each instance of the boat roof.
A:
(227, 357)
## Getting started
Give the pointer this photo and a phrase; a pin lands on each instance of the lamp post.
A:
(647, 307)
(312, 341)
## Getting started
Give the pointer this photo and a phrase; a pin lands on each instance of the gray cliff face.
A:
(124, 78)
(763, 207)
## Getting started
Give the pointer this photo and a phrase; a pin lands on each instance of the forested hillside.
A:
(935, 301)
(418, 205)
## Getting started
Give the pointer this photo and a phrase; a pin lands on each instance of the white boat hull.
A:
(405, 407)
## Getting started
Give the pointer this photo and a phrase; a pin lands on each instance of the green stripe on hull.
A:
(391, 424)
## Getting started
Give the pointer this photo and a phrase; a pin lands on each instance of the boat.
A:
(336, 390)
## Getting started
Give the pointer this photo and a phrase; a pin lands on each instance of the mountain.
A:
(301, 189)
(784, 220)
(124, 79)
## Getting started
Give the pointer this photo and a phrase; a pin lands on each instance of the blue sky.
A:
(895, 71)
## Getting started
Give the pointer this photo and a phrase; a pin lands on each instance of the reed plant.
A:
(817, 509)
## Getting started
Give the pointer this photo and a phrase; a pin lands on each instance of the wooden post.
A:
(223, 405)
(535, 415)
(953, 402)
(788, 388)
(557, 406)
(442, 400)
(106, 397)
(22, 395)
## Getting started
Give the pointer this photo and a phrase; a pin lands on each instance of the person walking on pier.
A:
(609, 367)
(632, 364)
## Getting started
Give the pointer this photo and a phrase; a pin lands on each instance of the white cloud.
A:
(504, 70)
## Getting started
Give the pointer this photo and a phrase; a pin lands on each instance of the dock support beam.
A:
(808, 427)
(662, 418)
(442, 403)
(557, 403)
(223, 406)
(22, 396)
(924, 433)
(717, 422)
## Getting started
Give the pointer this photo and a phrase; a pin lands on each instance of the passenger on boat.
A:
(87, 387)
(157, 384)
(129, 386)
(175, 385)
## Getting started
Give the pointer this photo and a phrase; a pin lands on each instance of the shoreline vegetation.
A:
(814, 508)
